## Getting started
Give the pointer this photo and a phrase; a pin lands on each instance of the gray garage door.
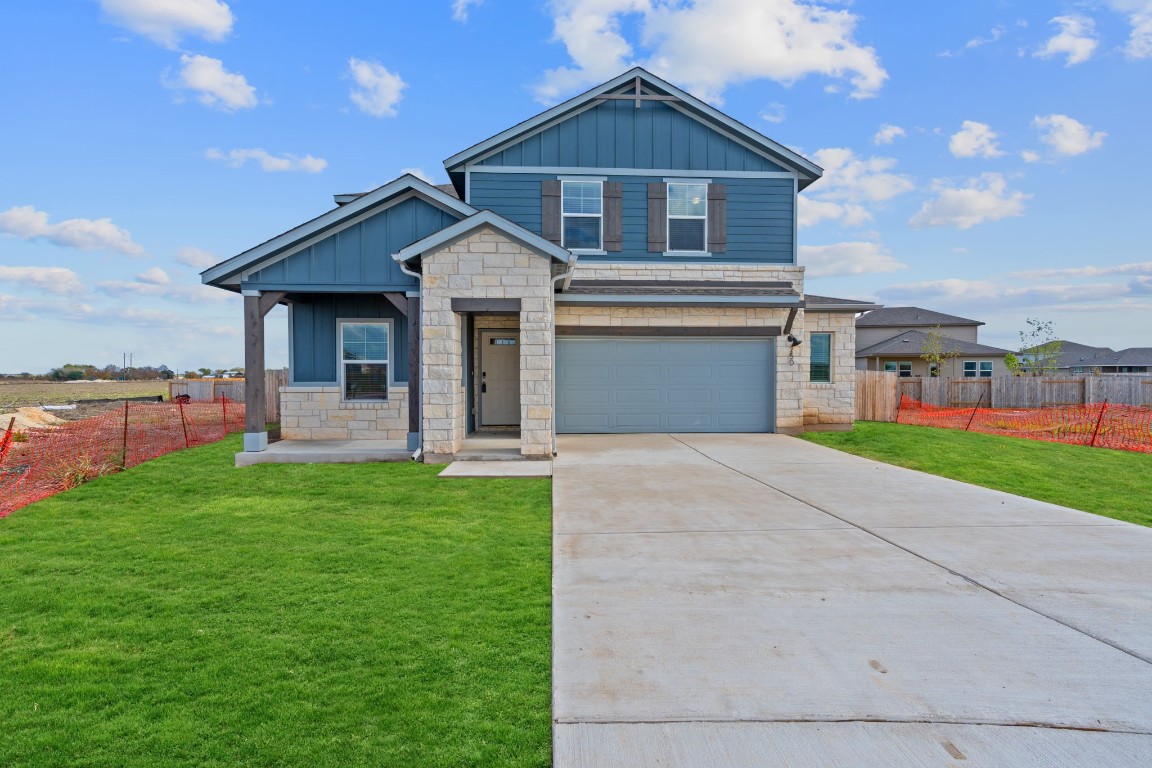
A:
(665, 385)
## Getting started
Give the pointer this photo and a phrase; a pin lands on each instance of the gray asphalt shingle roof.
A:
(911, 343)
(901, 316)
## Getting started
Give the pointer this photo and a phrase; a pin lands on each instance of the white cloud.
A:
(154, 276)
(995, 34)
(974, 140)
(1030, 156)
(781, 40)
(181, 294)
(1000, 294)
(1076, 40)
(773, 113)
(1139, 14)
(378, 91)
(83, 234)
(856, 258)
(216, 87)
(195, 258)
(167, 21)
(461, 8)
(850, 183)
(1131, 268)
(984, 199)
(51, 279)
(270, 163)
(888, 133)
(1068, 137)
(418, 173)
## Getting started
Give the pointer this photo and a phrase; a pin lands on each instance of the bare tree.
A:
(1039, 348)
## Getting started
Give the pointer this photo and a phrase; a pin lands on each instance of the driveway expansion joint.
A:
(1134, 654)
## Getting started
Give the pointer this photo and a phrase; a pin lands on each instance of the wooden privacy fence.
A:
(206, 390)
(878, 393)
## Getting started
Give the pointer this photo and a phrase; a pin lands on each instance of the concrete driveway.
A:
(756, 600)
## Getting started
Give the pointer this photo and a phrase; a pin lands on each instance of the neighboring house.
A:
(622, 262)
(1081, 358)
(893, 339)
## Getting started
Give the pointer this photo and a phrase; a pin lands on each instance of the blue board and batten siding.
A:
(314, 341)
(615, 134)
(359, 256)
(760, 214)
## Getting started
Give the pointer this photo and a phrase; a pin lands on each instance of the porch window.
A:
(977, 369)
(583, 213)
(364, 360)
(903, 370)
(687, 217)
(820, 367)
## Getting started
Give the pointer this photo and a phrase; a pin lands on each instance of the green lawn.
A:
(1115, 484)
(189, 613)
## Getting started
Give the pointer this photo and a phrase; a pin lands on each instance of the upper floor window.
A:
(364, 360)
(820, 367)
(977, 369)
(582, 209)
(687, 217)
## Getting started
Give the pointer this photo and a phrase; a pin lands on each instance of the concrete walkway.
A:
(756, 600)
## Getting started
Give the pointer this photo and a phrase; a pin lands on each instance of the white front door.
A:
(499, 378)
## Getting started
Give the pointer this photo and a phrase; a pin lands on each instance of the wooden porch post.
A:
(414, 373)
(256, 306)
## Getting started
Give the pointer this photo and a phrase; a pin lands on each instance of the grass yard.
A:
(1115, 484)
(189, 613)
(15, 394)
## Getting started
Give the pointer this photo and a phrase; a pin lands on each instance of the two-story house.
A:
(622, 262)
(893, 339)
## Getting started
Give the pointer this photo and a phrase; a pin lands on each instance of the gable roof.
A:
(900, 316)
(1073, 355)
(475, 221)
(333, 221)
(910, 343)
(807, 171)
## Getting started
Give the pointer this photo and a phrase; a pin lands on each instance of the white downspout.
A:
(567, 278)
(420, 405)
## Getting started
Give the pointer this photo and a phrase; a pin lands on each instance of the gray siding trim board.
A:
(668, 331)
(683, 173)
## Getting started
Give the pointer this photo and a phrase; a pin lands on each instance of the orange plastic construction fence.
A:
(1103, 425)
(38, 463)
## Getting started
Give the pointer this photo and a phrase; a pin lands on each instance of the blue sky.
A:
(988, 159)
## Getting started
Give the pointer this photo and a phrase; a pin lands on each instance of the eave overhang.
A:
(459, 230)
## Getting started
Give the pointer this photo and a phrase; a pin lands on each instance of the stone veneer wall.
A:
(832, 405)
(485, 265)
(318, 413)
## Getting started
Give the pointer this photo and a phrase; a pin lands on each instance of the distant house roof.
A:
(1133, 356)
(832, 304)
(806, 170)
(901, 316)
(1073, 355)
(910, 344)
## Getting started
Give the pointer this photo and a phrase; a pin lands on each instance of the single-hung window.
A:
(583, 213)
(364, 360)
(820, 368)
(687, 216)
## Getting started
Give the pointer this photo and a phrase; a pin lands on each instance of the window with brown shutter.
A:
(550, 224)
(717, 218)
(613, 216)
(657, 217)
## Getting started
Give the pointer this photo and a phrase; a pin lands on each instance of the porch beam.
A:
(415, 374)
(255, 434)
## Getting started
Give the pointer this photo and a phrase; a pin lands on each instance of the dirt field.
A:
(21, 393)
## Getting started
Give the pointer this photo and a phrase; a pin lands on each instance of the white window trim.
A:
(978, 373)
(340, 362)
(668, 217)
(599, 249)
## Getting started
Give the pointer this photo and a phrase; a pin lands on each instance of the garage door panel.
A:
(660, 385)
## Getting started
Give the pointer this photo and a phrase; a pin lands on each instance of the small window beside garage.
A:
(364, 360)
(820, 367)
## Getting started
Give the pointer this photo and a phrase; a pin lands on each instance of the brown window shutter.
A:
(657, 217)
(550, 210)
(717, 218)
(613, 216)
